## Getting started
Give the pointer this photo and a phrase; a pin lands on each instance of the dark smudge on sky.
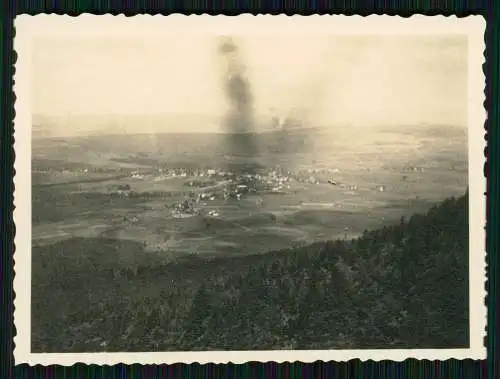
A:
(239, 121)
(247, 149)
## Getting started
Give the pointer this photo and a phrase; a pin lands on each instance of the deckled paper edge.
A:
(29, 26)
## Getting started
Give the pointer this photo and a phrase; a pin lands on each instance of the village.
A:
(200, 190)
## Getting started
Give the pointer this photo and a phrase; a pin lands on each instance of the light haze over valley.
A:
(122, 113)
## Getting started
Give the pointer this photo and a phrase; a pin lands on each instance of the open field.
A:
(376, 184)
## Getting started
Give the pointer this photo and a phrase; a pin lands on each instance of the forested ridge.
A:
(404, 286)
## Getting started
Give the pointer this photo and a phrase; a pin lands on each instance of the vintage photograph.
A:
(250, 186)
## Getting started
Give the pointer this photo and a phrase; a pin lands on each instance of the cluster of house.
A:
(237, 186)
(409, 169)
(184, 172)
(188, 207)
(121, 190)
(185, 207)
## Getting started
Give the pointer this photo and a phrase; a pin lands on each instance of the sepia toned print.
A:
(263, 188)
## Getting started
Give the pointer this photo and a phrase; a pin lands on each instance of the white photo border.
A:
(28, 27)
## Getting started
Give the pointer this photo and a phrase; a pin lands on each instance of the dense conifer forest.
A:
(404, 286)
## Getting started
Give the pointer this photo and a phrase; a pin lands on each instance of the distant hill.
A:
(404, 286)
(75, 125)
(268, 147)
(174, 147)
(429, 130)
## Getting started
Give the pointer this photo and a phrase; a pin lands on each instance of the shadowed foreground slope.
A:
(404, 286)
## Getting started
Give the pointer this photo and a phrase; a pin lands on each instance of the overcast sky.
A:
(335, 80)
